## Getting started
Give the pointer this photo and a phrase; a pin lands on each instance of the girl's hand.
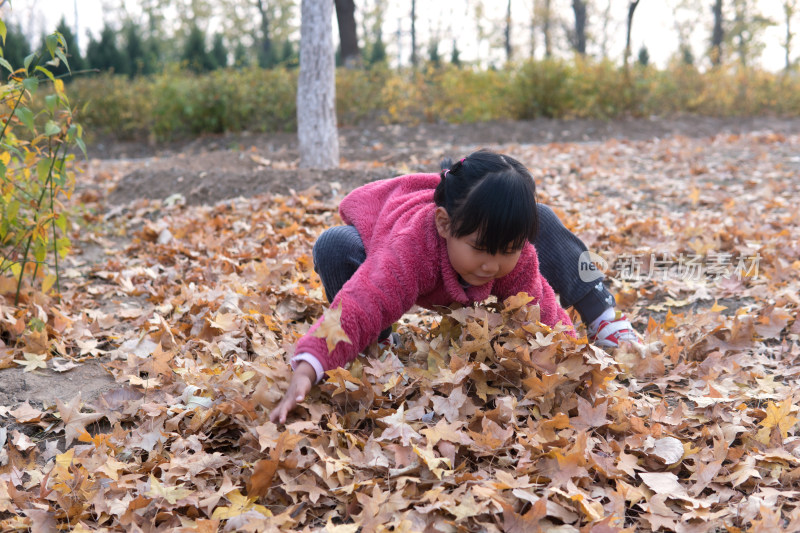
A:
(303, 378)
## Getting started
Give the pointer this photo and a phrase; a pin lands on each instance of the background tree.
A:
(241, 57)
(374, 50)
(266, 55)
(578, 38)
(434, 58)
(195, 53)
(348, 38)
(717, 34)
(745, 31)
(631, 9)
(287, 56)
(316, 88)
(104, 54)
(547, 16)
(507, 32)
(685, 16)
(414, 33)
(219, 52)
(455, 55)
(644, 56)
(789, 11)
(133, 51)
(605, 29)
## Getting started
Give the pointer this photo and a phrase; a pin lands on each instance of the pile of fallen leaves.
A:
(483, 419)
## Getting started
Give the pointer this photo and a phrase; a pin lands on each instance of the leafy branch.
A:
(37, 132)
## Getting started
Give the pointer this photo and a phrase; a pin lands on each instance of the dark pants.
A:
(339, 252)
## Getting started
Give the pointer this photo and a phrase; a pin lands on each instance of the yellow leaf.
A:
(779, 416)
(171, 494)
(432, 461)
(48, 282)
(330, 328)
(694, 196)
(717, 308)
(64, 460)
(239, 505)
(16, 269)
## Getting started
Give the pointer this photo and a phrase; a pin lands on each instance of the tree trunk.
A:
(316, 88)
(788, 9)
(548, 45)
(739, 22)
(348, 40)
(579, 7)
(508, 32)
(414, 33)
(631, 8)
(717, 34)
(266, 42)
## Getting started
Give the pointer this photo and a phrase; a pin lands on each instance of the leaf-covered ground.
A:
(482, 420)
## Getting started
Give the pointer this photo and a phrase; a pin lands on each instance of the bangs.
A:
(502, 210)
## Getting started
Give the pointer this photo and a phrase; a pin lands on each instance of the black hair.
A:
(492, 194)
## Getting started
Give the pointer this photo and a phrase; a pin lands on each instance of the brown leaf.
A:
(74, 421)
(261, 479)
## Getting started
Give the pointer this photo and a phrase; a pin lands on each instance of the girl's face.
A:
(475, 266)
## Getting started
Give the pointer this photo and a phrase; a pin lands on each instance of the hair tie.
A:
(445, 173)
(462, 160)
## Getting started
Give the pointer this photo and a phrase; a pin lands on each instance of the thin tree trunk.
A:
(717, 34)
(548, 45)
(316, 88)
(266, 42)
(533, 34)
(508, 32)
(739, 22)
(348, 39)
(414, 33)
(579, 8)
(788, 8)
(631, 8)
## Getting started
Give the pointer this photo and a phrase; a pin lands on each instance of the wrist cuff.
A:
(311, 360)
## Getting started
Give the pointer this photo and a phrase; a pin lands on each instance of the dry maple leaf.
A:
(330, 328)
(171, 494)
(74, 421)
(466, 508)
(26, 414)
(447, 432)
(450, 406)
(778, 416)
(239, 505)
(398, 428)
(530, 522)
(32, 361)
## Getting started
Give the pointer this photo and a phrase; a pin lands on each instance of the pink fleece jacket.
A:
(407, 264)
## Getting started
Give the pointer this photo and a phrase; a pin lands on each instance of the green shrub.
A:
(179, 104)
(36, 133)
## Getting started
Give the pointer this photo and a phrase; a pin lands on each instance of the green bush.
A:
(180, 104)
(36, 133)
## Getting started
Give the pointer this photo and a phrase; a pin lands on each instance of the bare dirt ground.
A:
(210, 169)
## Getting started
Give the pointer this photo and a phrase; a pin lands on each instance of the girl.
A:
(432, 240)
